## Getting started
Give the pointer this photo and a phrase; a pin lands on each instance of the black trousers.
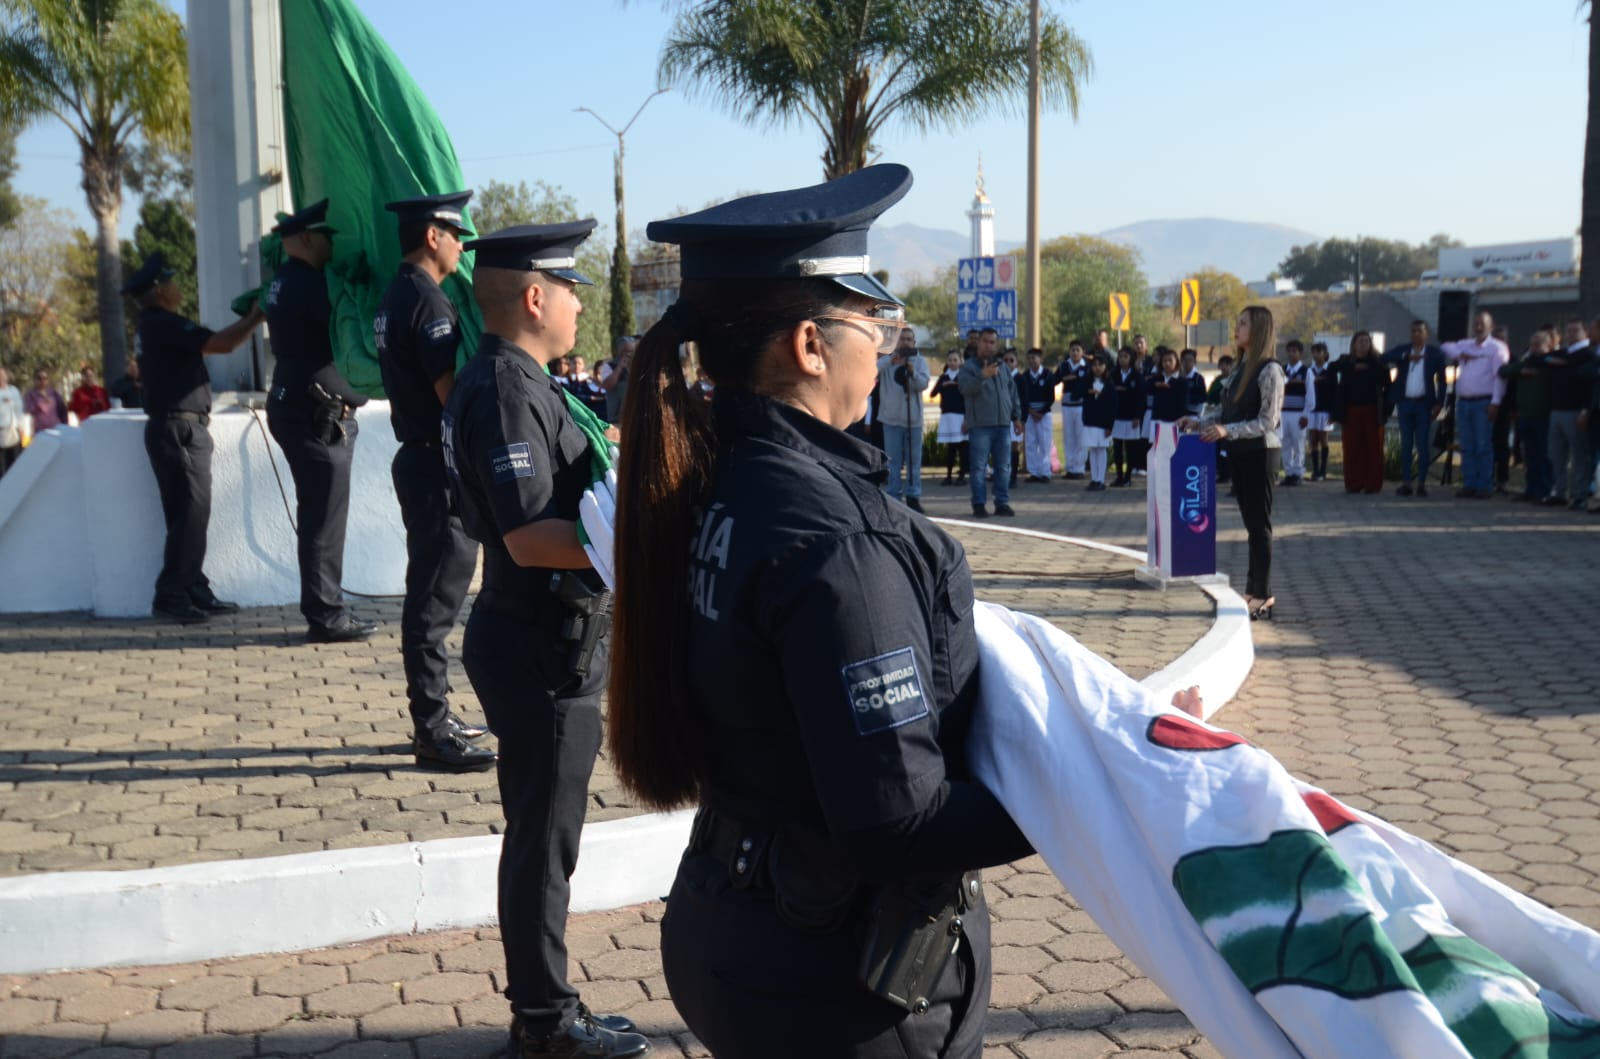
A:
(548, 727)
(180, 456)
(751, 986)
(1253, 471)
(440, 558)
(8, 457)
(1500, 433)
(321, 472)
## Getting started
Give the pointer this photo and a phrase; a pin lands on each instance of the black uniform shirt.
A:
(299, 314)
(1169, 398)
(172, 362)
(832, 653)
(1068, 373)
(416, 334)
(514, 456)
(1099, 407)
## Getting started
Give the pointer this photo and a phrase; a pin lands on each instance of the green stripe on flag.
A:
(1288, 911)
(1492, 1007)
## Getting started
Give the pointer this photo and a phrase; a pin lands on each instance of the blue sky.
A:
(1396, 118)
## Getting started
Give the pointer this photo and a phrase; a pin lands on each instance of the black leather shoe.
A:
(979, 511)
(179, 610)
(914, 504)
(345, 630)
(584, 1039)
(1004, 511)
(614, 1023)
(464, 728)
(450, 752)
(212, 605)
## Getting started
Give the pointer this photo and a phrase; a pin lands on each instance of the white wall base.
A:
(65, 920)
(81, 525)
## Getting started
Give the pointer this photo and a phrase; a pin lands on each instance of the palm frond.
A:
(852, 66)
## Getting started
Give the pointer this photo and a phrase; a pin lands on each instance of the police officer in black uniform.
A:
(796, 653)
(170, 352)
(535, 647)
(416, 335)
(309, 413)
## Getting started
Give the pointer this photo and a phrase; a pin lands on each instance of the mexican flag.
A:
(1283, 922)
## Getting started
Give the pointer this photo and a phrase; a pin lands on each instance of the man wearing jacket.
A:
(994, 417)
(902, 380)
(1417, 392)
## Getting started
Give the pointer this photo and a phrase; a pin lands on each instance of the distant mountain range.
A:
(1172, 249)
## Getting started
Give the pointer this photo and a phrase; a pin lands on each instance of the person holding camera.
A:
(797, 655)
(902, 379)
(993, 417)
(309, 412)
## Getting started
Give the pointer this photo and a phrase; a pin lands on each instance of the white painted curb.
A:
(69, 920)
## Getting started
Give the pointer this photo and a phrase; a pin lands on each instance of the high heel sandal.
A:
(1260, 609)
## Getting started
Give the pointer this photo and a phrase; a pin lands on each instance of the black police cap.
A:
(314, 218)
(812, 232)
(551, 248)
(440, 209)
(155, 270)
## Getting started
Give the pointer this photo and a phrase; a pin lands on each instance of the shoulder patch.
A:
(885, 692)
(511, 461)
(437, 329)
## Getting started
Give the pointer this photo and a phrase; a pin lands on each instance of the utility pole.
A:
(1035, 279)
(621, 289)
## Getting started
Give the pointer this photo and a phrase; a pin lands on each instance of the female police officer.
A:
(796, 653)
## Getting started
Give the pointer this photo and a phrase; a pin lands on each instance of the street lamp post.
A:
(1035, 280)
(621, 294)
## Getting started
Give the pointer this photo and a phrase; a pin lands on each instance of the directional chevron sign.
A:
(1189, 302)
(1119, 312)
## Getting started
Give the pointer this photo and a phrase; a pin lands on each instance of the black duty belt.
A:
(726, 840)
(431, 443)
(203, 418)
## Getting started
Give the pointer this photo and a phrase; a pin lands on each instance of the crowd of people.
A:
(43, 408)
(1539, 410)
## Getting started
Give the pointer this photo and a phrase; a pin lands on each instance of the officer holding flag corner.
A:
(536, 644)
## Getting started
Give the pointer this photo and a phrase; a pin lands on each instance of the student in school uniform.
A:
(1169, 394)
(952, 418)
(1145, 361)
(1324, 390)
(1036, 387)
(1299, 401)
(1196, 402)
(1072, 368)
(1098, 398)
(1128, 430)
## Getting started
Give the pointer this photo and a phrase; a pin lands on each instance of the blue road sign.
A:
(983, 297)
(987, 308)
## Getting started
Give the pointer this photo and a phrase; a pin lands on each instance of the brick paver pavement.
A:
(130, 744)
(1423, 665)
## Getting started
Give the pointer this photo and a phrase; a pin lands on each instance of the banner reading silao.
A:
(1181, 513)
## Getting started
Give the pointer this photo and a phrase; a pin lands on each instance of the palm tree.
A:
(108, 70)
(849, 67)
(1589, 278)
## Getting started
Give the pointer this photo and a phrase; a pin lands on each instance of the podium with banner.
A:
(1181, 510)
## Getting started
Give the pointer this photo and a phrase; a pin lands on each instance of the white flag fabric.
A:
(1283, 922)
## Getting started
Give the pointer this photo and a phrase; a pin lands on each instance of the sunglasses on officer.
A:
(886, 320)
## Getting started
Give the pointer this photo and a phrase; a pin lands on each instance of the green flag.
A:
(360, 134)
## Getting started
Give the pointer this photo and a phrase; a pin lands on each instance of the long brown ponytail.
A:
(668, 449)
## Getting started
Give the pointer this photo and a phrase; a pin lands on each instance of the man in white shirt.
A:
(10, 422)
